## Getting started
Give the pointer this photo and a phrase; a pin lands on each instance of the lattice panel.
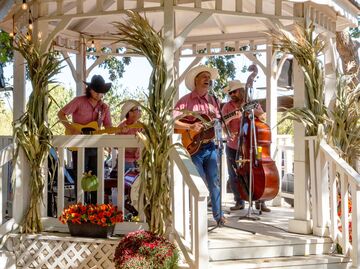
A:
(56, 252)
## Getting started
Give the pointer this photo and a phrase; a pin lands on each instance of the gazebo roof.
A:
(237, 22)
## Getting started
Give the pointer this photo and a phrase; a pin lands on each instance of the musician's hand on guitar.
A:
(258, 111)
(237, 115)
(196, 126)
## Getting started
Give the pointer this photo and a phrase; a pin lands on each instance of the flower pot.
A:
(90, 230)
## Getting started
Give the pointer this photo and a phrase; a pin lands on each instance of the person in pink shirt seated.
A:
(130, 115)
(236, 92)
(84, 110)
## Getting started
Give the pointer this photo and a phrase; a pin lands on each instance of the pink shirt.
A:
(233, 125)
(194, 102)
(131, 154)
(83, 112)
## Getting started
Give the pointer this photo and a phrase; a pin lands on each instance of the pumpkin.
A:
(89, 182)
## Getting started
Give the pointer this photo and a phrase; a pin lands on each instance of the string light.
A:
(92, 44)
(24, 5)
(30, 21)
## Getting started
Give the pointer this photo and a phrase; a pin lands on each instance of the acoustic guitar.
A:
(93, 128)
(193, 140)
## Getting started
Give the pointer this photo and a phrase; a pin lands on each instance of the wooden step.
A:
(298, 262)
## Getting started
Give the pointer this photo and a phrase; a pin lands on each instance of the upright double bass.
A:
(265, 185)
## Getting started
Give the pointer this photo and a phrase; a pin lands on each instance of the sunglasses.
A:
(234, 91)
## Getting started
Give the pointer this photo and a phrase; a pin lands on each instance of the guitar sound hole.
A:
(87, 130)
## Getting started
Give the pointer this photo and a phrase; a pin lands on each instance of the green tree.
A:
(61, 96)
(114, 65)
(6, 53)
(226, 68)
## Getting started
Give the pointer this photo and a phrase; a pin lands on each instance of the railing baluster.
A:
(100, 175)
(60, 181)
(355, 196)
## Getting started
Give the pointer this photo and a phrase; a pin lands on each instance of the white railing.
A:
(61, 143)
(334, 183)
(189, 210)
(189, 192)
(6, 222)
(284, 159)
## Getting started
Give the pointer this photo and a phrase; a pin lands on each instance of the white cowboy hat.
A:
(234, 85)
(127, 107)
(191, 75)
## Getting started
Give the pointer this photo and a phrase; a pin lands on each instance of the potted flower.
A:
(144, 249)
(91, 220)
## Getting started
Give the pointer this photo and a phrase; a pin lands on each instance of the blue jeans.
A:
(205, 161)
(233, 177)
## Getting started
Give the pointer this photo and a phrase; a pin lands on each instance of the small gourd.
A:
(89, 182)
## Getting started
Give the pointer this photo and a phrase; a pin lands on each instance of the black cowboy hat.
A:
(98, 84)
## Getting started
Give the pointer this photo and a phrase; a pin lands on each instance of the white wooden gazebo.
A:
(196, 28)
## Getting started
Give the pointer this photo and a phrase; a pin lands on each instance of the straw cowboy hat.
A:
(191, 75)
(98, 84)
(127, 107)
(234, 85)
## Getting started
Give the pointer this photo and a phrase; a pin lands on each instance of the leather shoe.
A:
(264, 208)
(221, 221)
(237, 206)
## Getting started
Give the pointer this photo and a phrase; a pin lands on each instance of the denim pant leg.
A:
(205, 161)
(230, 158)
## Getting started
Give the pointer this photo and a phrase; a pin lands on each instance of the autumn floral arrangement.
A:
(144, 249)
(103, 215)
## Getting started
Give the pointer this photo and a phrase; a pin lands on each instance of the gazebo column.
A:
(301, 223)
(80, 68)
(271, 102)
(22, 170)
(322, 219)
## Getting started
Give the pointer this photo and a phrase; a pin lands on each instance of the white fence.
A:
(189, 192)
(335, 191)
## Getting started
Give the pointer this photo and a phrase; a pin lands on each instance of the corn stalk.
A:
(158, 128)
(31, 130)
(306, 49)
(344, 134)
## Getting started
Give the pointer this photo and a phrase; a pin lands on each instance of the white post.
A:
(80, 68)
(323, 203)
(301, 222)
(271, 105)
(330, 72)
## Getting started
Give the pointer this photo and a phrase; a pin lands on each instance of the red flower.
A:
(104, 214)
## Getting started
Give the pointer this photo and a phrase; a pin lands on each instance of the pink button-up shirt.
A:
(233, 125)
(83, 112)
(194, 102)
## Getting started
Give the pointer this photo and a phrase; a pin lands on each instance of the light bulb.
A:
(92, 44)
(30, 25)
(11, 34)
(24, 5)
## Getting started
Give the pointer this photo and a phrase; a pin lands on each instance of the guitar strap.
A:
(100, 115)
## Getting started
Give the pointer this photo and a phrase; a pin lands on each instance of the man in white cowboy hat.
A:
(130, 115)
(198, 80)
(84, 110)
(236, 92)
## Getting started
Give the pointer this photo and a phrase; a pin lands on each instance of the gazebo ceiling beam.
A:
(82, 25)
(96, 14)
(239, 14)
(179, 40)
